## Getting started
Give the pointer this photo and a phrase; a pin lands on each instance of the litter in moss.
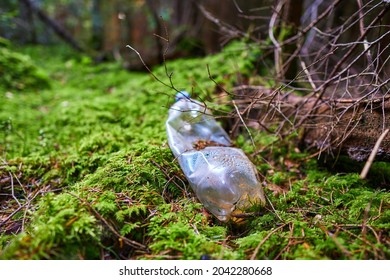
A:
(86, 173)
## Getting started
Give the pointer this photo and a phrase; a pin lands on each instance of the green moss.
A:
(62, 229)
(18, 72)
(183, 231)
(92, 170)
(4, 43)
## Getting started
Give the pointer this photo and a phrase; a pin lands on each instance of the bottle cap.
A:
(182, 94)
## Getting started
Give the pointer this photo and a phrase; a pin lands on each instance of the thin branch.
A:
(253, 257)
(169, 178)
(278, 48)
(225, 28)
(10, 216)
(374, 151)
(243, 122)
(131, 243)
(330, 8)
(313, 85)
(12, 189)
(171, 86)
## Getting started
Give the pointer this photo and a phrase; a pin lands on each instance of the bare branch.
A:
(370, 160)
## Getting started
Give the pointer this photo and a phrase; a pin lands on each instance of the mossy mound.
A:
(18, 72)
(86, 173)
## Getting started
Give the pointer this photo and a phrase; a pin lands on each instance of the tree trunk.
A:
(97, 25)
(51, 23)
(153, 7)
(26, 14)
(291, 20)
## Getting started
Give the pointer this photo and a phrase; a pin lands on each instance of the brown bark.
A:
(351, 127)
(344, 126)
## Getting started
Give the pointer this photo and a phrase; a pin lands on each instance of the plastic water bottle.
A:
(222, 177)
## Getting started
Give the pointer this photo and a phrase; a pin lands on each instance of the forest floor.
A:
(86, 173)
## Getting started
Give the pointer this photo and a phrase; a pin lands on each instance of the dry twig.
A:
(134, 244)
(253, 257)
(370, 160)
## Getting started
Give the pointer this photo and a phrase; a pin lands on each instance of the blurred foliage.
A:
(18, 71)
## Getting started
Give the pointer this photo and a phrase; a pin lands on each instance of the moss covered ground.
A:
(86, 172)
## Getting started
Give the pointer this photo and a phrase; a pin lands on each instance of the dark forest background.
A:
(104, 28)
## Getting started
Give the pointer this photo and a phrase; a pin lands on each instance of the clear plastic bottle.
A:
(222, 177)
